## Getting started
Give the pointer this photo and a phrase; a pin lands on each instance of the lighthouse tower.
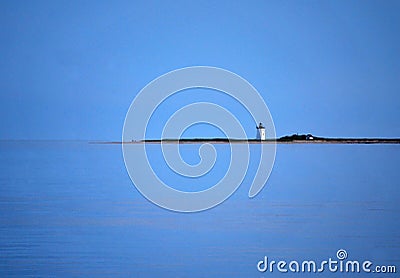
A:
(261, 132)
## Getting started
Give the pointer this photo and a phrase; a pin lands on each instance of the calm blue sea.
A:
(69, 209)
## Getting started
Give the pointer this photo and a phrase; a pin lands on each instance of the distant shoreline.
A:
(294, 139)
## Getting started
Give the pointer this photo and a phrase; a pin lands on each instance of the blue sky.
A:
(70, 69)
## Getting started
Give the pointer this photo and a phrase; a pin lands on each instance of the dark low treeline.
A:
(298, 137)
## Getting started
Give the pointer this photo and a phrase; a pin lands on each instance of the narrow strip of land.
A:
(282, 140)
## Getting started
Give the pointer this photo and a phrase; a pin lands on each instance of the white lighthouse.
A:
(261, 132)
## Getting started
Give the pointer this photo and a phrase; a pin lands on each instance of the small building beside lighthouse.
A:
(261, 132)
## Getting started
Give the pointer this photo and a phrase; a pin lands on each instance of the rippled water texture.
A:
(70, 209)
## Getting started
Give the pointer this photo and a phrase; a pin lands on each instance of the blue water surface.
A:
(70, 209)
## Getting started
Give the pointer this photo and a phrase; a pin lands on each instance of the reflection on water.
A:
(70, 209)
